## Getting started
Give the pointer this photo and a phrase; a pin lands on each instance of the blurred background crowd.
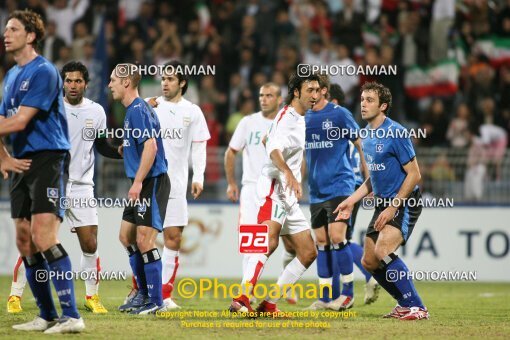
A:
(452, 57)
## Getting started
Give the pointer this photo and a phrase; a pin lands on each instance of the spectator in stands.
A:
(435, 123)
(349, 83)
(246, 107)
(443, 15)
(458, 130)
(65, 13)
(347, 26)
(493, 137)
(52, 43)
(476, 169)
(81, 36)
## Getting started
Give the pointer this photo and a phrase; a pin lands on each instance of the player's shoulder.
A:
(193, 108)
(43, 65)
(92, 105)
(393, 125)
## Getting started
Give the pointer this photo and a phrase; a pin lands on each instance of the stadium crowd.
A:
(250, 42)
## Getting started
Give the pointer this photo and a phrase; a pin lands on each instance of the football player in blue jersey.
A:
(337, 96)
(32, 114)
(329, 128)
(146, 167)
(394, 177)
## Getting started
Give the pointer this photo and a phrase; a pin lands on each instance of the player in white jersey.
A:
(81, 113)
(248, 137)
(185, 131)
(278, 192)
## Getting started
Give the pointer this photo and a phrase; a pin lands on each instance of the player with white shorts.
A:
(248, 137)
(184, 132)
(278, 192)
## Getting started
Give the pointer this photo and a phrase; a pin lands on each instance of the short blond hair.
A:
(131, 72)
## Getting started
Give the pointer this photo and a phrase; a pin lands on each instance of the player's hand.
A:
(134, 191)
(120, 150)
(344, 209)
(14, 165)
(152, 102)
(233, 192)
(387, 215)
(196, 189)
(293, 186)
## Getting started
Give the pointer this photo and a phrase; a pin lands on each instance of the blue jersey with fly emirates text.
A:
(38, 85)
(140, 124)
(386, 156)
(329, 170)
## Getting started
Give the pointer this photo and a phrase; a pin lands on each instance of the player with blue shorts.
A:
(146, 167)
(329, 128)
(337, 96)
(32, 114)
(394, 177)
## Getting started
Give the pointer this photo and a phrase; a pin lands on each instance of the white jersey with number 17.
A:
(287, 134)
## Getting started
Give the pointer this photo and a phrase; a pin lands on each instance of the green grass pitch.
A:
(458, 310)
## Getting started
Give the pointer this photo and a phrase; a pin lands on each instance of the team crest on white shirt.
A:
(89, 123)
(186, 121)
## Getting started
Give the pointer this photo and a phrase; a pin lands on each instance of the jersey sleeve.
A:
(238, 140)
(278, 135)
(403, 149)
(43, 88)
(350, 124)
(101, 123)
(199, 132)
(3, 108)
(142, 125)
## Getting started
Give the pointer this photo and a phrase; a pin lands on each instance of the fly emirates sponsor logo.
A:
(374, 166)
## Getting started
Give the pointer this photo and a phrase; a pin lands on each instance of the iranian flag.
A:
(441, 79)
(496, 49)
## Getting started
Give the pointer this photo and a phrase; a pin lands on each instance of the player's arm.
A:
(292, 184)
(413, 177)
(150, 149)
(363, 163)
(8, 163)
(230, 171)
(17, 122)
(345, 208)
(198, 161)
(107, 149)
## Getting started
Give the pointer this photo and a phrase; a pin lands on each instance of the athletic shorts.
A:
(354, 214)
(80, 216)
(248, 204)
(405, 218)
(276, 205)
(39, 189)
(155, 192)
(176, 212)
(322, 213)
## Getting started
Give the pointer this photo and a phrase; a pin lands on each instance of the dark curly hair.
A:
(296, 82)
(382, 91)
(75, 66)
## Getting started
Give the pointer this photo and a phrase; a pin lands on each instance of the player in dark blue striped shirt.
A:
(394, 177)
